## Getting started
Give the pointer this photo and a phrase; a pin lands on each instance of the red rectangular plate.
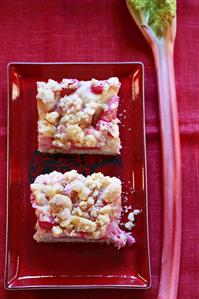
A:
(30, 265)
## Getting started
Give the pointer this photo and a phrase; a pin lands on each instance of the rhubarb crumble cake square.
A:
(73, 208)
(78, 116)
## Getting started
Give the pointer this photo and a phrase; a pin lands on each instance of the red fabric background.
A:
(85, 30)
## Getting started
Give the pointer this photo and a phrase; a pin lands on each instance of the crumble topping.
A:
(131, 217)
(78, 115)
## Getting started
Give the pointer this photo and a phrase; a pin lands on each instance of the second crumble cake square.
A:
(78, 116)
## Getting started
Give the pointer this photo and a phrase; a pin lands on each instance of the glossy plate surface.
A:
(33, 265)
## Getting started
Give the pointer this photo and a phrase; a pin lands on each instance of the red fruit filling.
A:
(97, 89)
(45, 142)
(46, 224)
(111, 112)
(83, 234)
(67, 91)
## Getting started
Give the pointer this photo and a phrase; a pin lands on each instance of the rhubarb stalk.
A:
(157, 21)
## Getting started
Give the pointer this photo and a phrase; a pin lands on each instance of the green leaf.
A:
(157, 13)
